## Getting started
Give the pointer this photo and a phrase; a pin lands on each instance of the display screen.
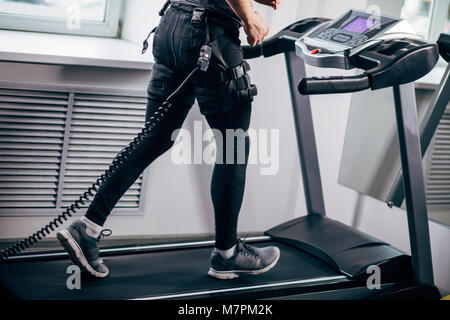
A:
(359, 25)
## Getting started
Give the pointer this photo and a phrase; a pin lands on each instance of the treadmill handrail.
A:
(283, 41)
(334, 84)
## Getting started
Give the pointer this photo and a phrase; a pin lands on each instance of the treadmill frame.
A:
(428, 128)
(411, 160)
(405, 107)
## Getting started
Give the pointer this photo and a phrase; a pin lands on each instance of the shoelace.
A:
(248, 247)
(104, 233)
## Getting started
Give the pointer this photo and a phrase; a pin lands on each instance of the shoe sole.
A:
(233, 274)
(76, 254)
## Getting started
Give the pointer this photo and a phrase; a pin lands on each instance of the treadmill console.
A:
(386, 49)
(325, 45)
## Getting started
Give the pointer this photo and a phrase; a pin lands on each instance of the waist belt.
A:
(198, 17)
(236, 78)
(191, 8)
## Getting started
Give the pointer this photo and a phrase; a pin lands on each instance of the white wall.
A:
(178, 200)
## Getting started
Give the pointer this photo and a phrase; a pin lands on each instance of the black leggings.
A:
(173, 56)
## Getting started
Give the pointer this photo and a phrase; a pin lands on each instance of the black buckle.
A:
(236, 72)
(198, 17)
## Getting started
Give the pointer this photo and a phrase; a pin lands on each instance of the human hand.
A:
(271, 3)
(256, 29)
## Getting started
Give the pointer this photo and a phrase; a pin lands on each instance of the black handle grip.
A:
(270, 47)
(252, 52)
(334, 84)
(283, 41)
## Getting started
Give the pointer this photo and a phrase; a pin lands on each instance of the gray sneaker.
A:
(247, 259)
(83, 249)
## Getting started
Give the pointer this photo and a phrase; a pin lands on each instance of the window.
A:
(429, 18)
(438, 166)
(447, 23)
(417, 13)
(438, 175)
(80, 17)
(440, 19)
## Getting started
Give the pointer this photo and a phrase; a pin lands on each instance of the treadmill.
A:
(320, 258)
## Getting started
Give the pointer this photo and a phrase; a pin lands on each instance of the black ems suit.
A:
(224, 95)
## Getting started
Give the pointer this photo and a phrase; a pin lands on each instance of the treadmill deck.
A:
(165, 274)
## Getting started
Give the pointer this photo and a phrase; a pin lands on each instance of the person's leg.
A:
(231, 255)
(163, 82)
(228, 179)
(174, 46)
(225, 110)
(173, 37)
(81, 238)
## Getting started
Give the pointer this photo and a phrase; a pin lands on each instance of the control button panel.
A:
(326, 34)
(332, 43)
(353, 29)
(358, 41)
(342, 37)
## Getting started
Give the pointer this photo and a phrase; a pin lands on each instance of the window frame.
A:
(107, 28)
(438, 17)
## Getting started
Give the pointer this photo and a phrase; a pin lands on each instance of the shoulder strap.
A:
(216, 44)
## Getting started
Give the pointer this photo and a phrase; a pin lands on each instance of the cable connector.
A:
(205, 57)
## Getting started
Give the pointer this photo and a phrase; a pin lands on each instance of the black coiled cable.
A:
(149, 127)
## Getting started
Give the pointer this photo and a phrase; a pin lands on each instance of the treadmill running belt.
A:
(156, 274)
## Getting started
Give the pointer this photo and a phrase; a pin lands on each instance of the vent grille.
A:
(438, 184)
(31, 138)
(54, 145)
(101, 126)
